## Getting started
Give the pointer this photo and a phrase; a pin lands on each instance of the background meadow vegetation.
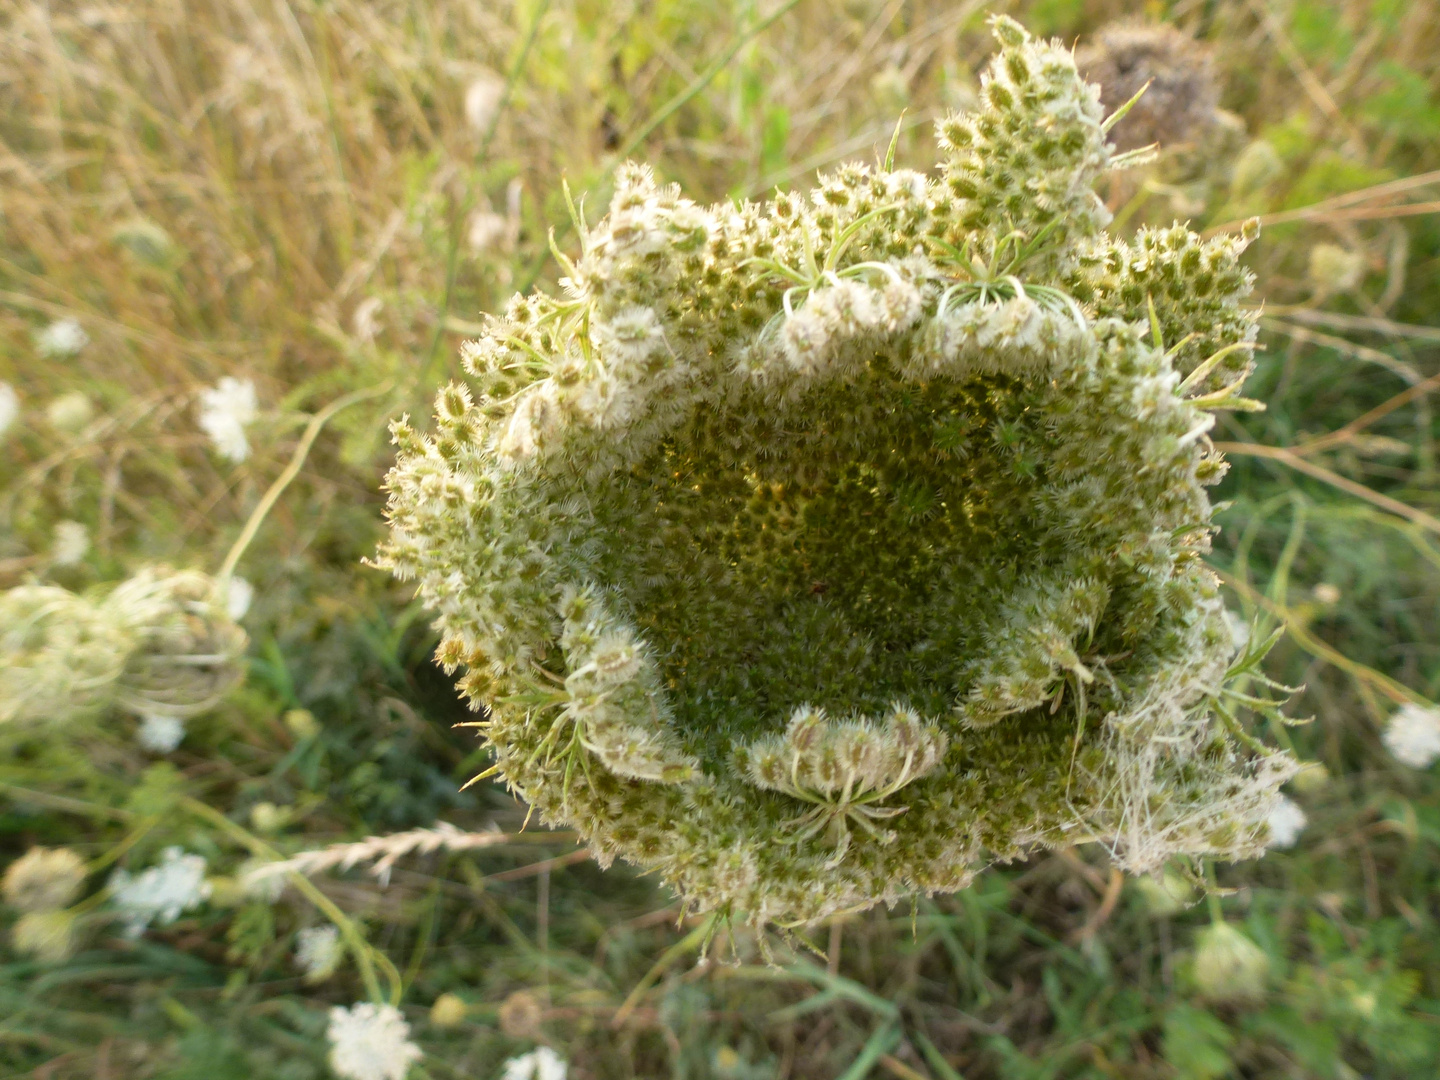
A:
(322, 197)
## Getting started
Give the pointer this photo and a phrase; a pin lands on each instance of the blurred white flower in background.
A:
(370, 1042)
(1413, 735)
(161, 893)
(1286, 822)
(70, 543)
(318, 952)
(64, 337)
(542, 1063)
(9, 407)
(238, 594)
(225, 409)
(482, 100)
(160, 734)
(70, 413)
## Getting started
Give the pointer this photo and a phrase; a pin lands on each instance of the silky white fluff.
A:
(1287, 821)
(542, 1063)
(9, 407)
(161, 893)
(160, 734)
(1413, 736)
(62, 338)
(225, 410)
(370, 1042)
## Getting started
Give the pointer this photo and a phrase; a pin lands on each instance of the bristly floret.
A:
(812, 553)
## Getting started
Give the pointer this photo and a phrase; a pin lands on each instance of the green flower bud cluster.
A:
(813, 554)
(160, 644)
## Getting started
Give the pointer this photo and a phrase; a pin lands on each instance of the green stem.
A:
(297, 461)
(367, 957)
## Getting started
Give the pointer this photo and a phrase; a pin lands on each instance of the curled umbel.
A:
(815, 553)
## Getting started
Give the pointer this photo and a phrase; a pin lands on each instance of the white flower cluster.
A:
(318, 952)
(1287, 821)
(161, 893)
(370, 1042)
(62, 339)
(542, 1063)
(1413, 735)
(160, 734)
(225, 411)
(811, 553)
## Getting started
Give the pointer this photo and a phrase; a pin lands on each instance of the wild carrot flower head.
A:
(804, 552)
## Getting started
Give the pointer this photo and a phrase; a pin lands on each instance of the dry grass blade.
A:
(1319, 472)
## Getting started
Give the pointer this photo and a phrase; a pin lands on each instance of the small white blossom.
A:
(542, 1063)
(318, 952)
(238, 594)
(160, 734)
(1286, 822)
(160, 893)
(9, 407)
(70, 544)
(225, 409)
(62, 338)
(482, 101)
(1413, 736)
(370, 1042)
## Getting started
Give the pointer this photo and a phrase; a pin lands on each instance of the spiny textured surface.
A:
(812, 554)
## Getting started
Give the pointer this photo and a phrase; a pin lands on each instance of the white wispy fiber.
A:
(160, 734)
(62, 338)
(1413, 736)
(1287, 821)
(225, 410)
(318, 952)
(542, 1063)
(161, 893)
(370, 1042)
(9, 407)
(70, 543)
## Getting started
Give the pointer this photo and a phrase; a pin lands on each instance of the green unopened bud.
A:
(1229, 967)
(448, 1011)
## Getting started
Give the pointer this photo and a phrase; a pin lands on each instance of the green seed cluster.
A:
(814, 553)
(160, 644)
